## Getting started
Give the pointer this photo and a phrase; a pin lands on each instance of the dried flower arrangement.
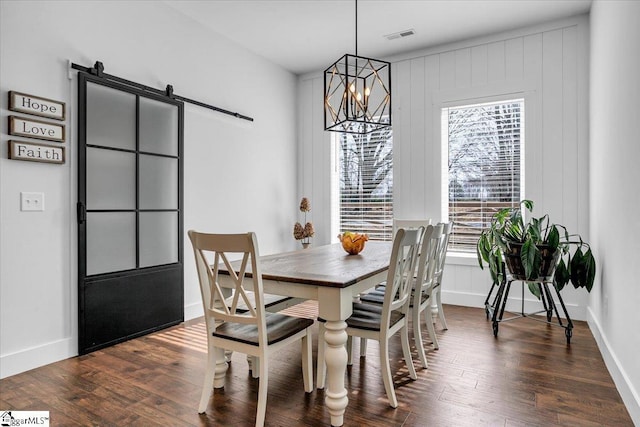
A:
(306, 232)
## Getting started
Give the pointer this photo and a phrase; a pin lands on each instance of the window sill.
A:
(461, 258)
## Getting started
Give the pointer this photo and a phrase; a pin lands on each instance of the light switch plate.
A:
(31, 201)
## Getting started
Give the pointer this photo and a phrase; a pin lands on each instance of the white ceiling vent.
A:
(400, 34)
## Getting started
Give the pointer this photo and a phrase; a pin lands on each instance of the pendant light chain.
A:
(357, 92)
(356, 1)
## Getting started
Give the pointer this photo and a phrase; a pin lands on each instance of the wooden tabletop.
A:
(327, 265)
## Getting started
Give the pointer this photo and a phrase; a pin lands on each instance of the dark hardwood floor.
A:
(528, 376)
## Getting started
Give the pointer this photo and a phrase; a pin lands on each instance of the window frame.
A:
(336, 210)
(526, 138)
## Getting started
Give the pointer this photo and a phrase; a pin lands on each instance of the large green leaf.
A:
(494, 276)
(481, 250)
(553, 240)
(496, 267)
(561, 275)
(591, 269)
(516, 217)
(531, 259)
(534, 288)
(495, 235)
(533, 230)
(583, 269)
(502, 215)
(578, 269)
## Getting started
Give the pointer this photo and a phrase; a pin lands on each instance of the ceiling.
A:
(309, 35)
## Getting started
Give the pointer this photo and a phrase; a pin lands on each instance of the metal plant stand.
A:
(495, 310)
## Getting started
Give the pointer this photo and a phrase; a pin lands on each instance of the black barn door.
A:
(130, 212)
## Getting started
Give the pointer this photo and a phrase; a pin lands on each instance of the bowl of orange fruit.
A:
(352, 242)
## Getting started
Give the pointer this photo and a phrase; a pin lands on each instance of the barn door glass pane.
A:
(158, 182)
(158, 127)
(158, 238)
(111, 179)
(111, 117)
(111, 242)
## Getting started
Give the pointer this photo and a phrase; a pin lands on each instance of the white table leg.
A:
(336, 360)
(335, 305)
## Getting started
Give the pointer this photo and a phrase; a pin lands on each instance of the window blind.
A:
(484, 148)
(366, 183)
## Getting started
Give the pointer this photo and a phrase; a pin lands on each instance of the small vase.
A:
(305, 245)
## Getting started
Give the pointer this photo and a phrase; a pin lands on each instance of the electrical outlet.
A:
(31, 201)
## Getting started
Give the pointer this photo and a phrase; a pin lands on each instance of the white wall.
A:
(614, 115)
(546, 64)
(238, 175)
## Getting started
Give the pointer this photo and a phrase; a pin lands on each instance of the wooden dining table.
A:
(332, 277)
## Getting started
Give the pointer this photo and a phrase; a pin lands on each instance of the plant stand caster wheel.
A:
(495, 329)
(568, 333)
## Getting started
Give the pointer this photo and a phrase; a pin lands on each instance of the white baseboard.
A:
(25, 360)
(627, 391)
(191, 311)
(514, 303)
(35, 357)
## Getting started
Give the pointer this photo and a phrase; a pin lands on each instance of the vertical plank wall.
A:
(547, 65)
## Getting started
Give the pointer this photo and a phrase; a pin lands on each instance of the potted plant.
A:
(535, 249)
(304, 233)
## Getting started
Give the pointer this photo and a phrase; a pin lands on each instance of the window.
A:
(482, 148)
(363, 175)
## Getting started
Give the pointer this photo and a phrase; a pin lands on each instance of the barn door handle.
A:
(82, 213)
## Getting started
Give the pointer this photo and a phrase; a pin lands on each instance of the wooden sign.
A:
(33, 152)
(37, 106)
(36, 129)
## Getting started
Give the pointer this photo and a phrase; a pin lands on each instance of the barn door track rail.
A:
(98, 70)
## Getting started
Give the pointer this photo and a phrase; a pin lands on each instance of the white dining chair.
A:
(376, 295)
(423, 289)
(381, 322)
(437, 287)
(409, 224)
(254, 332)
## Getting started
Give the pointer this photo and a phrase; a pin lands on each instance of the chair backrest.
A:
(409, 224)
(402, 267)
(442, 250)
(215, 250)
(427, 263)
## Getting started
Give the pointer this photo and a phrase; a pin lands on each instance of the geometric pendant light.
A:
(357, 93)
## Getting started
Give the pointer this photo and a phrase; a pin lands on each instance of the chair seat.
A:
(270, 301)
(369, 317)
(377, 297)
(279, 327)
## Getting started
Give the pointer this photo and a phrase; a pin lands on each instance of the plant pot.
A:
(515, 267)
